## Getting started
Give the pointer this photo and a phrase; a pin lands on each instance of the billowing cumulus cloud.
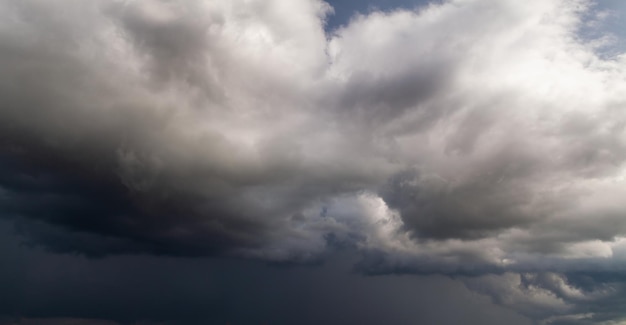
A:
(474, 137)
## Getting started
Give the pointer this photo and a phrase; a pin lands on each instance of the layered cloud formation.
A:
(474, 137)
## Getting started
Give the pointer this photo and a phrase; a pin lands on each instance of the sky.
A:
(306, 162)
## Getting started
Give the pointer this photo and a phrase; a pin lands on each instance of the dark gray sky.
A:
(168, 290)
(303, 162)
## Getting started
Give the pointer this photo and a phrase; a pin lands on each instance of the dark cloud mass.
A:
(481, 139)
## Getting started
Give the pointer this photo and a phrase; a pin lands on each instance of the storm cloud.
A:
(475, 138)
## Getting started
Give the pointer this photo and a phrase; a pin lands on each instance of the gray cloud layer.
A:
(473, 136)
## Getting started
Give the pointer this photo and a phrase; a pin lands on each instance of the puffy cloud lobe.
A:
(468, 137)
(522, 145)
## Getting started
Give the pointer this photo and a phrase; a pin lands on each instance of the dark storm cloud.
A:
(100, 157)
(170, 128)
(465, 137)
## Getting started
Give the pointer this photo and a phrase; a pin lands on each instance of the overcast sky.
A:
(303, 162)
